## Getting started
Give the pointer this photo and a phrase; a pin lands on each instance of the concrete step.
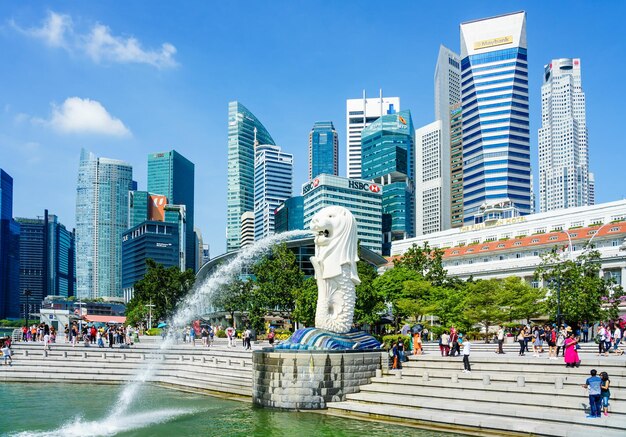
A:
(461, 421)
(525, 412)
(565, 399)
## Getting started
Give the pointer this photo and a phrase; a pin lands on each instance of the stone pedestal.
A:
(307, 380)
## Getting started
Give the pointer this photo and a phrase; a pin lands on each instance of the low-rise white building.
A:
(513, 247)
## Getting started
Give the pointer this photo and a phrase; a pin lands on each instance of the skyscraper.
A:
(432, 179)
(447, 84)
(47, 260)
(240, 198)
(9, 251)
(289, 215)
(172, 175)
(456, 166)
(273, 184)
(388, 147)
(323, 149)
(359, 114)
(563, 149)
(101, 219)
(494, 91)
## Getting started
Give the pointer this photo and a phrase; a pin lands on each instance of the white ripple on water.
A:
(110, 425)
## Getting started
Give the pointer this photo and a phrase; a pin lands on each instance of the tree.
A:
(415, 299)
(483, 303)
(370, 302)
(577, 292)
(448, 304)
(163, 287)
(306, 302)
(234, 296)
(522, 301)
(426, 261)
(391, 286)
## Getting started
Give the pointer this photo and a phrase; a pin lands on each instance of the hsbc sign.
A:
(363, 186)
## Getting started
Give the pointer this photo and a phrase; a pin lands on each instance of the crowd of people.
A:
(88, 334)
(207, 333)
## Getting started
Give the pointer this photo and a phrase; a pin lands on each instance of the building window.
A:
(554, 237)
(484, 248)
(535, 240)
(615, 243)
(500, 246)
(517, 243)
(593, 232)
(518, 255)
(614, 229)
(455, 252)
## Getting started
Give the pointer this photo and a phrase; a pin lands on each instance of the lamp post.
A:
(558, 290)
(27, 293)
(150, 316)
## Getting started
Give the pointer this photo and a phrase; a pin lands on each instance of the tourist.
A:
(608, 339)
(401, 351)
(601, 338)
(46, 342)
(585, 331)
(270, 336)
(521, 339)
(454, 342)
(500, 340)
(617, 337)
(230, 334)
(552, 339)
(417, 343)
(466, 353)
(6, 354)
(444, 344)
(571, 355)
(204, 334)
(192, 335)
(246, 338)
(605, 392)
(211, 335)
(99, 339)
(560, 341)
(593, 384)
(111, 337)
(395, 353)
(537, 342)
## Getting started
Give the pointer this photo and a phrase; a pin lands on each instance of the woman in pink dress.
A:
(571, 355)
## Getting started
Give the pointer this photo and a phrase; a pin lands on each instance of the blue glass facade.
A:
(290, 215)
(387, 150)
(9, 251)
(101, 219)
(154, 240)
(33, 262)
(138, 204)
(172, 175)
(323, 149)
(496, 135)
(243, 128)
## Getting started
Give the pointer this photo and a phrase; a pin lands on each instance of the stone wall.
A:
(308, 380)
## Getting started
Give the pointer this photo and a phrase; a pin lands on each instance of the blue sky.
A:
(124, 79)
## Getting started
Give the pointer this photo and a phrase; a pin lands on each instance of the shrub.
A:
(220, 334)
(153, 331)
(389, 339)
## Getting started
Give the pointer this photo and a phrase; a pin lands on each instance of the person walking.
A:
(552, 339)
(500, 339)
(585, 331)
(454, 343)
(230, 334)
(246, 339)
(99, 339)
(401, 351)
(601, 338)
(397, 363)
(617, 337)
(466, 353)
(6, 354)
(270, 337)
(560, 341)
(571, 355)
(594, 384)
(445, 344)
(521, 339)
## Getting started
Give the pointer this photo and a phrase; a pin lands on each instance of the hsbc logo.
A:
(316, 182)
(363, 186)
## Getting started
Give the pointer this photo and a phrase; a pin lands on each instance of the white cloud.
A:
(78, 115)
(98, 43)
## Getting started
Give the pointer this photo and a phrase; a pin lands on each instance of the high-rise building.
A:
(172, 175)
(388, 148)
(273, 184)
(456, 166)
(592, 189)
(155, 240)
(199, 248)
(243, 127)
(323, 149)
(247, 228)
(359, 114)
(47, 260)
(289, 216)
(432, 180)
(447, 85)
(101, 219)
(494, 91)
(563, 149)
(9, 251)
(363, 199)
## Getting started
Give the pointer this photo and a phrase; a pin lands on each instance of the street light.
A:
(27, 293)
(558, 289)
(150, 317)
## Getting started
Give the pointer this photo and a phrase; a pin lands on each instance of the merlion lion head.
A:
(336, 239)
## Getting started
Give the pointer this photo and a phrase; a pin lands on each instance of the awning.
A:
(106, 319)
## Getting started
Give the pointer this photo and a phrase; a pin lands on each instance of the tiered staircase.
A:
(503, 395)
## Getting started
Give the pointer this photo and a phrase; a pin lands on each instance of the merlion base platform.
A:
(309, 379)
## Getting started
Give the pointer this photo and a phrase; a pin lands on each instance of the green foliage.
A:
(370, 302)
(388, 341)
(484, 303)
(15, 323)
(521, 300)
(426, 261)
(220, 334)
(448, 304)
(306, 302)
(391, 286)
(584, 294)
(153, 331)
(164, 287)
(234, 296)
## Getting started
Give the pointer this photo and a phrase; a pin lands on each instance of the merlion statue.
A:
(335, 260)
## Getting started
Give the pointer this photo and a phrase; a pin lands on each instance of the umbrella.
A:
(162, 325)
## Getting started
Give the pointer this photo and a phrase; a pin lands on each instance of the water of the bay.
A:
(36, 409)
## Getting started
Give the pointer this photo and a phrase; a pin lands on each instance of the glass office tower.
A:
(388, 147)
(172, 175)
(323, 149)
(101, 219)
(9, 251)
(494, 93)
(243, 126)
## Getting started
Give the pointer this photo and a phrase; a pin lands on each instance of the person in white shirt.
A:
(500, 339)
(6, 355)
(466, 353)
(617, 337)
(601, 338)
